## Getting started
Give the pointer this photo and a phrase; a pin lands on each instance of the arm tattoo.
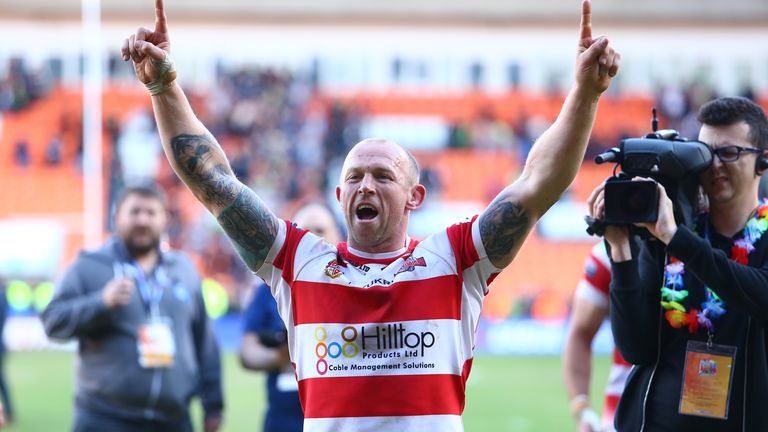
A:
(209, 176)
(251, 227)
(503, 227)
(244, 217)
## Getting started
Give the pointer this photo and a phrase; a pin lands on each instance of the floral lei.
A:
(672, 293)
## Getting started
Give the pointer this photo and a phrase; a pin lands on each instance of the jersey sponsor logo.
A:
(410, 264)
(384, 341)
(332, 269)
(378, 282)
(333, 350)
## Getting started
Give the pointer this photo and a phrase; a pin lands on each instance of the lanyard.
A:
(151, 289)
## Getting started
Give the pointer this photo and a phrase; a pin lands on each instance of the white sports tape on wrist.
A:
(591, 418)
(166, 76)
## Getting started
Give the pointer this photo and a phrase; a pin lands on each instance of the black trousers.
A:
(87, 421)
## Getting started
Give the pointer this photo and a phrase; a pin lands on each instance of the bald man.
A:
(381, 328)
(264, 346)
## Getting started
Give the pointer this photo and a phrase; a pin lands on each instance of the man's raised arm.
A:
(193, 152)
(555, 158)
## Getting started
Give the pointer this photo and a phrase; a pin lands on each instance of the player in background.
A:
(590, 310)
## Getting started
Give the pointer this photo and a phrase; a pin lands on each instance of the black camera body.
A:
(628, 201)
(664, 157)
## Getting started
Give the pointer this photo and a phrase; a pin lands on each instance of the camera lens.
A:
(637, 201)
(629, 201)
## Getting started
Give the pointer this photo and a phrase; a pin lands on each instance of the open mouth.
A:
(366, 212)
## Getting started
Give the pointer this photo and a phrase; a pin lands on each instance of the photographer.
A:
(689, 309)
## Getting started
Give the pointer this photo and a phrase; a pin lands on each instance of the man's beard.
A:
(137, 249)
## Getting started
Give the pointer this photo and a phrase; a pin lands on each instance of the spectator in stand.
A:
(53, 151)
(21, 153)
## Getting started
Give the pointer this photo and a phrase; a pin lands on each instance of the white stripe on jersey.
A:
(426, 423)
(586, 291)
(402, 348)
(617, 379)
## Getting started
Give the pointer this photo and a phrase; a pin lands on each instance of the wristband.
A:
(589, 416)
(166, 75)
(578, 404)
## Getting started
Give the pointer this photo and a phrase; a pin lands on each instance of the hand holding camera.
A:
(641, 202)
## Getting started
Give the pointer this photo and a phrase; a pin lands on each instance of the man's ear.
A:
(416, 198)
(762, 163)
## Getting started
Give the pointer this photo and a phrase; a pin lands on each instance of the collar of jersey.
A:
(356, 257)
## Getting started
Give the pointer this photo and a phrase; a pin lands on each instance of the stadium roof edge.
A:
(465, 12)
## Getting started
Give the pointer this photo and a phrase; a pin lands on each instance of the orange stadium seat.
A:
(629, 114)
(540, 266)
(590, 175)
(470, 175)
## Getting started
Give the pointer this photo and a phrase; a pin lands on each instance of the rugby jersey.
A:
(380, 342)
(594, 287)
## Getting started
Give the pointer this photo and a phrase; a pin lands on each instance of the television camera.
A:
(663, 156)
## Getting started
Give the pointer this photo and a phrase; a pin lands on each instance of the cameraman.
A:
(699, 343)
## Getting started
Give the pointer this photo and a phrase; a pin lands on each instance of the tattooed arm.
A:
(200, 162)
(194, 154)
(555, 158)
(551, 166)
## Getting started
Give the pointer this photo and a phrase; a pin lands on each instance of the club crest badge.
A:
(332, 269)
(410, 264)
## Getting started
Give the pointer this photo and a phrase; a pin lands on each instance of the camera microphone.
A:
(608, 156)
(666, 134)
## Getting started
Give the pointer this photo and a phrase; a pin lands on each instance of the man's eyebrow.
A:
(374, 168)
(723, 144)
(384, 169)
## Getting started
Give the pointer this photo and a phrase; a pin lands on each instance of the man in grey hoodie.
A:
(145, 341)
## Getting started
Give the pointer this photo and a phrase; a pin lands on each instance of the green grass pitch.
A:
(503, 393)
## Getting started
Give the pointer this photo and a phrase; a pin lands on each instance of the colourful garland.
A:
(672, 293)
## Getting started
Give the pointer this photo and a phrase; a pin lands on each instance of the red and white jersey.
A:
(380, 342)
(594, 287)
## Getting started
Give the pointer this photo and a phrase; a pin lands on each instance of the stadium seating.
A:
(465, 174)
